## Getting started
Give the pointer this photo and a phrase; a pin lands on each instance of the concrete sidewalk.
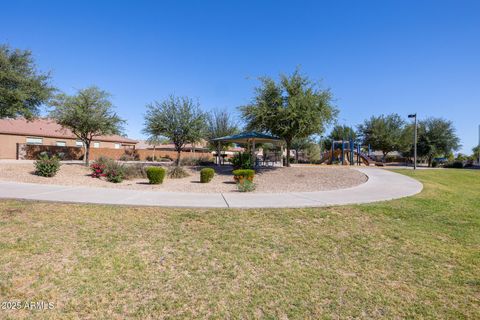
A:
(381, 185)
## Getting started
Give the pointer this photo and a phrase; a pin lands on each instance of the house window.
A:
(79, 143)
(117, 145)
(31, 140)
(96, 144)
(61, 144)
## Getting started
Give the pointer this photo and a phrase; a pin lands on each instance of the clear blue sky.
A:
(376, 56)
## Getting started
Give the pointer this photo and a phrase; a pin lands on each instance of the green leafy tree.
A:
(476, 153)
(436, 137)
(384, 133)
(177, 118)
(220, 124)
(299, 144)
(88, 114)
(295, 107)
(339, 132)
(155, 141)
(23, 89)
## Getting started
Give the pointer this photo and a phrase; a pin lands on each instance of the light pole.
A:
(414, 141)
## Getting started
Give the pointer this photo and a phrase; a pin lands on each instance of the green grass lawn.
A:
(417, 257)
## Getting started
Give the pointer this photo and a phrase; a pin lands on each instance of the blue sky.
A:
(376, 56)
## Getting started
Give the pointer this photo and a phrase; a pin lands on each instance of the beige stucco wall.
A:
(8, 144)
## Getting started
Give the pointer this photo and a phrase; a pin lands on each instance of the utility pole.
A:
(414, 141)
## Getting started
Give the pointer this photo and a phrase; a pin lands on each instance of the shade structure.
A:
(249, 137)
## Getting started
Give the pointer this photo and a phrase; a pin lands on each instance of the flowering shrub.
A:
(98, 170)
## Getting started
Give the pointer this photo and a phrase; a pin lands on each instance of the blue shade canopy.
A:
(247, 137)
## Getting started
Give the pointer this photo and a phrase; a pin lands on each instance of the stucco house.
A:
(17, 134)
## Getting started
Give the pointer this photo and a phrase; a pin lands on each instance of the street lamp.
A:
(414, 141)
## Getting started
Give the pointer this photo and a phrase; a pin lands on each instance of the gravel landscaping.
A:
(268, 180)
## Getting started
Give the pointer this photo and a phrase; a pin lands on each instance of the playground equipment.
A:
(347, 153)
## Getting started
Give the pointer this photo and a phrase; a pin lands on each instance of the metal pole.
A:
(343, 152)
(415, 146)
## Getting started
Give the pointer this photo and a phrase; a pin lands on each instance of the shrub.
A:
(455, 165)
(157, 158)
(99, 166)
(246, 186)
(104, 160)
(155, 174)
(243, 174)
(135, 171)
(197, 161)
(115, 172)
(177, 172)
(47, 166)
(434, 164)
(97, 170)
(242, 161)
(130, 155)
(206, 175)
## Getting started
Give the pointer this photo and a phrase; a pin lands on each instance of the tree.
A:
(292, 108)
(476, 153)
(178, 119)
(23, 89)
(436, 137)
(88, 114)
(299, 144)
(155, 140)
(339, 132)
(220, 124)
(384, 133)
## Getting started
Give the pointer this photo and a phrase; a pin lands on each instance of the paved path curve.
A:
(381, 185)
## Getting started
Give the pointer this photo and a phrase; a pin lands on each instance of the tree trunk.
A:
(385, 157)
(219, 158)
(296, 155)
(87, 154)
(153, 154)
(430, 160)
(287, 162)
(179, 153)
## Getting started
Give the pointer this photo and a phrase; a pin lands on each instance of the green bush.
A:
(155, 175)
(243, 174)
(177, 172)
(206, 175)
(242, 161)
(246, 186)
(434, 164)
(47, 166)
(114, 172)
(455, 165)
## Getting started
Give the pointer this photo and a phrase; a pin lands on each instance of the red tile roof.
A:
(43, 127)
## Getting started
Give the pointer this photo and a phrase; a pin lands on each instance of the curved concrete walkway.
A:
(381, 185)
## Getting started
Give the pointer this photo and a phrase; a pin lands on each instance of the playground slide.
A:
(366, 159)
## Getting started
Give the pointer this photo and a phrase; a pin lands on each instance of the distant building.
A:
(15, 134)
